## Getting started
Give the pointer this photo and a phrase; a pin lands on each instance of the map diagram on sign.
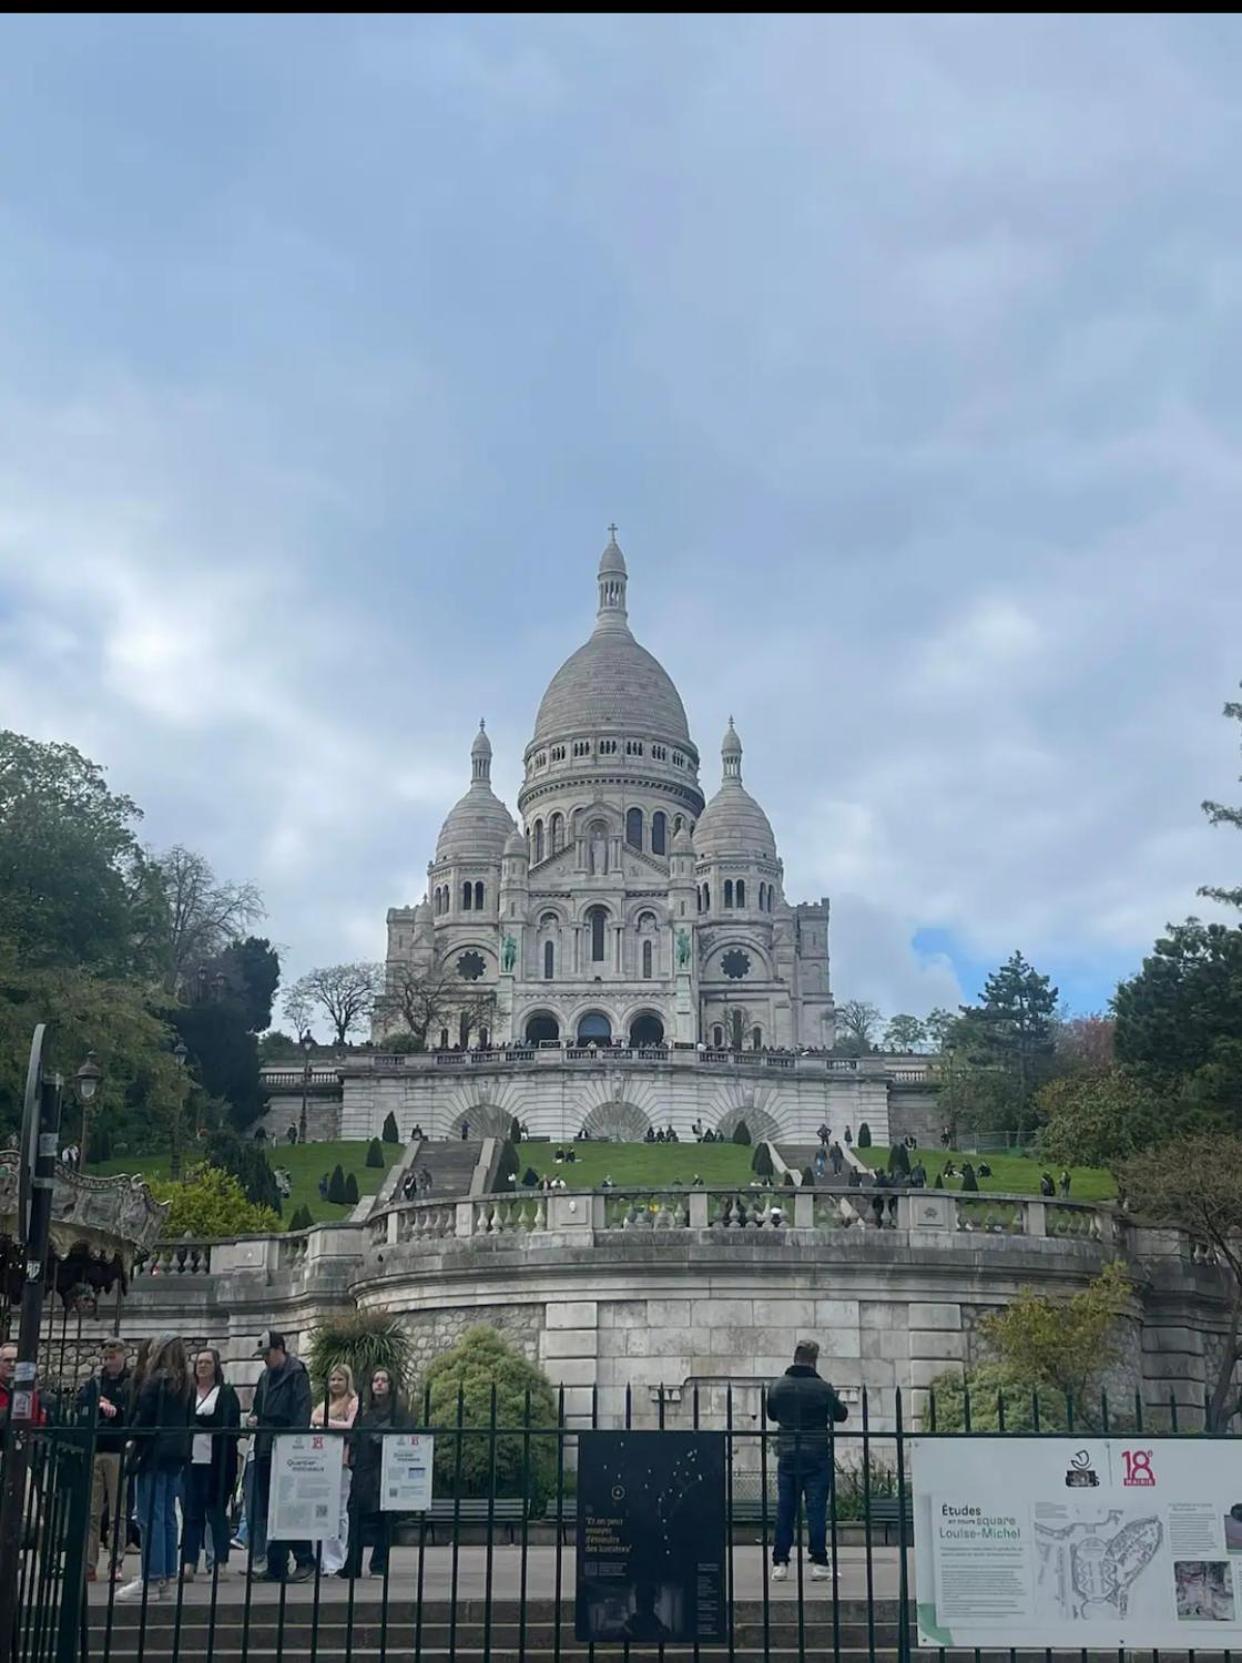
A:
(1089, 1566)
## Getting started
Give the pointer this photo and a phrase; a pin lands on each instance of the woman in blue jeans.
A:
(158, 1455)
(211, 1476)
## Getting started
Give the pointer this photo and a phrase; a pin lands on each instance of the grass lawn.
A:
(305, 1164)
(632, 1165)
(1013, 1174)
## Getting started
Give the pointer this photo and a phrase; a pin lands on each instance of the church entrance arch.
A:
(541, 1026)
(594, 1027)
(646, 1029)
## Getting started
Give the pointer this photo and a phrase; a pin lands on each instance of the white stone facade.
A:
(625, 910)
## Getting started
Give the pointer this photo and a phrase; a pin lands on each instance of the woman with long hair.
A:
(212, 1473)
(337, 1412)
(367, 1521)
(158, 1455)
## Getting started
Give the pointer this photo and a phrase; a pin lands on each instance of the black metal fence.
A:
(490, 1569)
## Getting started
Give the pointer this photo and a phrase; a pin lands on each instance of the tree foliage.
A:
(1000, 1051)
(1221, 815)
(390, 1134)
(1100, 1117)
(761, 1161)
(223, 1056)
(364, 1341)
(336, 1186)
(248, 1163)
(74, 882)
(462, 1381)
(864, 1136)
(345, 993)
(899, 1161)
(905, 1033)
(375, 1153)
(1058, 1349)
(201, 914)
(1179, 1021)
(211, 1203)
(1199, 1192)
(741, 1133)
(858, 1027)
(250, 969)
(351, 1189)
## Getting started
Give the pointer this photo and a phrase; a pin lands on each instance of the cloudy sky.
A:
(906, 353)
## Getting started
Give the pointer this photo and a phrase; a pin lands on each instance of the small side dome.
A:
(516, 844)
(733, 823)
(683, 843)
(479, 824)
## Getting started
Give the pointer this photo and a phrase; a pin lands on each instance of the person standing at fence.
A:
(212, 1473)
(803, 1406)
(282, 1403)
(367, 1520)
(338, 1412)
(158, 1455)
(105, 1398)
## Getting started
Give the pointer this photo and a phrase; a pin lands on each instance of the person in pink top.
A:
(337, 1412)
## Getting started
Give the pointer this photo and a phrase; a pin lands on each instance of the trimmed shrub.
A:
(375, 1153)
(761, 1161)
(351, 1189)
(741, 1132)
(390, 1132)
(211, 1203)
(479, 1362)
(788, 1180)
(808, 1177)
(864, 1136)
(336, 1186)
(301, 1219)
(899, 1161)
(969, 1181)
(515, 1131)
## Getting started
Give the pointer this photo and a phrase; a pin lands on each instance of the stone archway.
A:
(617, 1122)
(484, 1120)
(762, 1126)
(541, 1026)
(646, 1029)
(594, 1026)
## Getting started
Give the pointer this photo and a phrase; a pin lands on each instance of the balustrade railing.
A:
(183, 1258)
(680, 1056)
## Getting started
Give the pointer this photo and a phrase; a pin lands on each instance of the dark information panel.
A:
(651, 1536)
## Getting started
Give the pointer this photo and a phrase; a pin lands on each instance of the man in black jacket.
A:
(804, 1406)
(106, 1396)
(282, 1403)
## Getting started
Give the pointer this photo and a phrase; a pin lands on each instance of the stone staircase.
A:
(799, 1155)
(451, 1164)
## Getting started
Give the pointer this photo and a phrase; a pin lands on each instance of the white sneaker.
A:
(821, 1573)
(780, 1573)
(131, 1593)
(188, 1573)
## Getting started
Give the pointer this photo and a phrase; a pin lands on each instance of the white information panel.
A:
(305, 1500)
(1100, 1543)
(405, 1480)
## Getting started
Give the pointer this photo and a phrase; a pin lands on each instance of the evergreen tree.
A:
(761, 1161)
(788, 1180)
(375, 1153)
(515, 1131)
(336, 1186)
(808, 1177)
(741, 1132)
(969, 1180)
(899, 1161)
(390, 1133)
(864, 1136)
(351, 1189)
(1013, 1026)
(248, 1163)
(1222, 815)
(301, 1219)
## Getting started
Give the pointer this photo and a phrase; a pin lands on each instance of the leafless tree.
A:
(201, 915)
(858, 1020)
(423, 1001)
(345, 993)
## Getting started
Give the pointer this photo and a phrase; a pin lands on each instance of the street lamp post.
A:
(87, 1078)
(180, 1055)
(37, 1182)
(308, 1045)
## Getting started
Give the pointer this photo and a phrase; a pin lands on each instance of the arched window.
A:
(728, 898)
(646, 958)
(467, 895)
(478, 897)
(549, 960)
(659, 826)
(735, 1023)
(741, 892)
(538, 853)
(557, 832)
(678, 823)
(597, 916)
(698, 899)
(707, 897)
(634, 828)
(756, 1039)
(718, 1037)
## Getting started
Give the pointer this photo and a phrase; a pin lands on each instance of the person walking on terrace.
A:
(804, 1406)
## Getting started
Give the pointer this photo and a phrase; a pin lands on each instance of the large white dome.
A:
(611, 684)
